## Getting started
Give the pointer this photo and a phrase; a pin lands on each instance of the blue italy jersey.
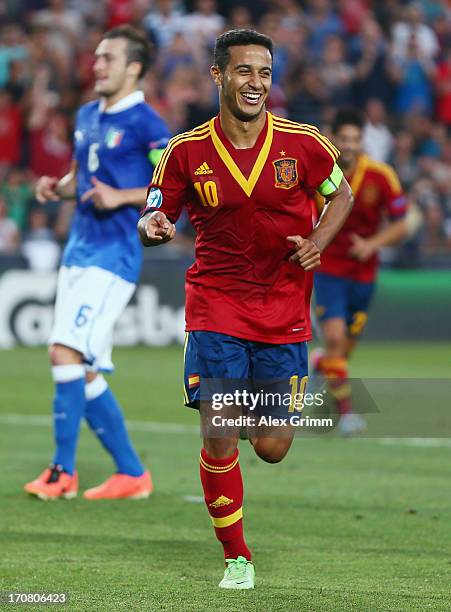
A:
(114, 146)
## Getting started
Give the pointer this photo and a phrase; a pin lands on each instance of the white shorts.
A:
(89, 301)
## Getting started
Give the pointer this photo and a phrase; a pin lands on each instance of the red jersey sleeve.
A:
(318, 157)
(169, 188)
(395, 201)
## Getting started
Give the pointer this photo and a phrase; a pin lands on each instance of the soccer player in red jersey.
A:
(247, 179)
(344, 284)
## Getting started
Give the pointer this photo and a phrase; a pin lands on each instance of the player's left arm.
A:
(339, 201)
(392, 233)
(106, 197)
(396, 227)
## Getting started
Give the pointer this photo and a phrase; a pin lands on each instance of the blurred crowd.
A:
(392, 59)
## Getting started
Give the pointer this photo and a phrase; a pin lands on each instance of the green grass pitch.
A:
(339, 525)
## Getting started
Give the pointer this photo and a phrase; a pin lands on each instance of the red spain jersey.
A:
(377, 195)
(243, 203)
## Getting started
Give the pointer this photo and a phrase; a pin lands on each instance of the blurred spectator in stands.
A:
(18, 195)
(39, 246)
(65, 29)
(353, 14)
(427, 144)
(10, 130)
(403, 158)
(50, 149)
(179, 53)
(432, 9)
(119, 12)
(336, 74)
(413, 75)
(307, 96)
(9, 233)
(322, 22)
(203, 25)
(239, 17)
(289, 45)
(413, 27)
(20, 77)
(163, 22)
(443, 89)
(369, 56)
(180, 91)
(205, 104)
(427, 198)
(377, 138)
(13, 46)
(289, 12)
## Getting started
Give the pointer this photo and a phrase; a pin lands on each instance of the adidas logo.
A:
(221, 501)
(204, 169)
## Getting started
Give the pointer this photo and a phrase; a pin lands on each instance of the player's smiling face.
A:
(110, 68)
(246, 81)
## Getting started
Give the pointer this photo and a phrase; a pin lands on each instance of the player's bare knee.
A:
(63, 355)
(271, 450)
(91, 376)
(335, 342)
(220, 448)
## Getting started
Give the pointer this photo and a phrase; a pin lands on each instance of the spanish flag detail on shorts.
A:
(193, 380)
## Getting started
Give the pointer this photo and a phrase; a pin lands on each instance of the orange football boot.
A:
(122, 486)
(53, 483)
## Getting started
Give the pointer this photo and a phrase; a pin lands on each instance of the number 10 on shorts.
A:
(297, 393)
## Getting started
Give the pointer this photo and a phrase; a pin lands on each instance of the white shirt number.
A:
(93, 158)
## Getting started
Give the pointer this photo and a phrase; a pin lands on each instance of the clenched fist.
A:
(155, 228)
(307, 253)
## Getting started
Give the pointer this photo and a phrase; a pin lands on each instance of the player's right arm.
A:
(167, 195)
(155, 228)
(51, 188)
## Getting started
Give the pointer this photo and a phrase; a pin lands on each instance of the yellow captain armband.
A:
(332, 183)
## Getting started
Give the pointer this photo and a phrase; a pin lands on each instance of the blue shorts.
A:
(343, 298)
(221, 358)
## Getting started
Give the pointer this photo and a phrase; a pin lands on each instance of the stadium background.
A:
(364, 521)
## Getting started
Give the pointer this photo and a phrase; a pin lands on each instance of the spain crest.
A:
(286, 172)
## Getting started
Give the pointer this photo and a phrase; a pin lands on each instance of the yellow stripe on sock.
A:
(341, 392)
(225, 521)
(221, 469)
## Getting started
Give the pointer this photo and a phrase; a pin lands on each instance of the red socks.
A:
(336, 372)
(223, 493)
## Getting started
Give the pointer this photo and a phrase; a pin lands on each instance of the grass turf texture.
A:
(338, 525)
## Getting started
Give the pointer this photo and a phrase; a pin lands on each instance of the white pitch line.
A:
(417, 442)
(40, 420)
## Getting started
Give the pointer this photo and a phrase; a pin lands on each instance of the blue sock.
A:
(105, 418)
(68, 408)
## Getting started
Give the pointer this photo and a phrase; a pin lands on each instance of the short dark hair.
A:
(139, 48)
(235, 38)
(347, 116)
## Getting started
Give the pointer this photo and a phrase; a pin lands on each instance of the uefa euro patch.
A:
(155, 198)
(286, 172)
(113, 138)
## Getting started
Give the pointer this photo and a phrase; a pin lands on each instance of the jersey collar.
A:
(131, 100)
(247, 185)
